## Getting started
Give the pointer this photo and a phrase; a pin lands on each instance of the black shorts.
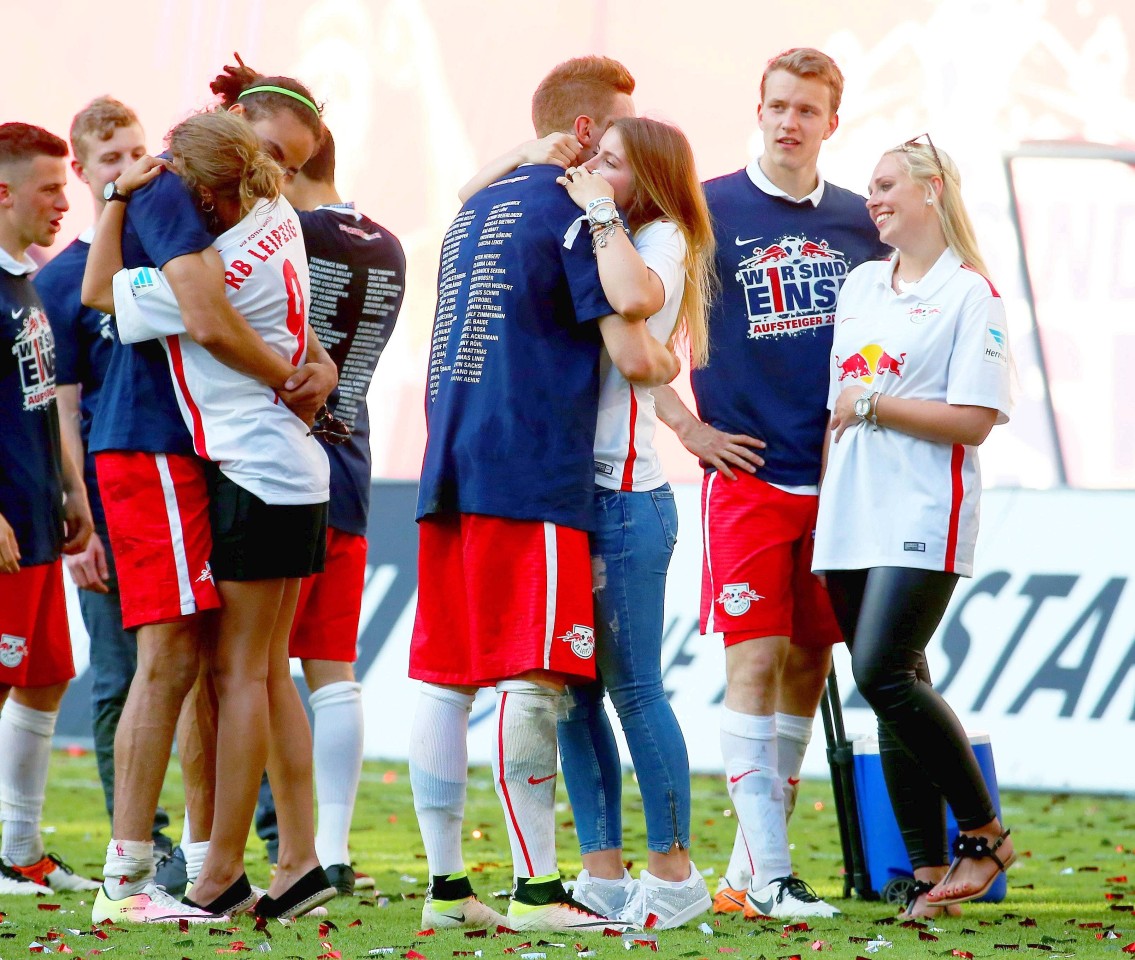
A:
(254, 540)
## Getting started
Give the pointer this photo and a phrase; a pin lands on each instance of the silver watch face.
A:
(604, 213)
(108, 190)
(862, 407)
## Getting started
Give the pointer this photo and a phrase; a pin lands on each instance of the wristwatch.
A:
(602, 214)
(110, 192)
(862, 406)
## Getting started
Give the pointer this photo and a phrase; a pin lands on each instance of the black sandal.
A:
(975, 848)
(917, 889)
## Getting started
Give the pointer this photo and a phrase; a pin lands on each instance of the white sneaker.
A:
(659, 905)
(566, 916)
(17, 885)
(468, 913)
(788, 897)
(152, 905)
(606, 897)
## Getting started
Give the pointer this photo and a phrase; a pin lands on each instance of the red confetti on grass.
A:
(428, 932)
(414, 955)
(1119, 879)
(1130, 948)
(1028, 922)
(964, 954)
(609, 932)
(47, 906)
(796, 927)
(355, 923)
(101, 934)
(929, 937)
(501, 928)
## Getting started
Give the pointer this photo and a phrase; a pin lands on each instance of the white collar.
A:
(763, 183)
(18, 268)
(929, 283)
(343, 206)
(87, 236)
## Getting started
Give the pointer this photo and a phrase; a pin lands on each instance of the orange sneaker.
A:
(728, 900)
(52, 872)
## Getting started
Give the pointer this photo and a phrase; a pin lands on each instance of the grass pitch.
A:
(1069, 894)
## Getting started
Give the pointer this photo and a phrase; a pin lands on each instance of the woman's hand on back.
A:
(583, 186)
(139, 173)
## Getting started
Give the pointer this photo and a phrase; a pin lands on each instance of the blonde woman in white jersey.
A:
(269, 487)
(644, 172)
(919, 377)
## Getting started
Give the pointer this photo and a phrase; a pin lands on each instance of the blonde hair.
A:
(666, 186)
(222, 152)
(97, 123)
(922, 163)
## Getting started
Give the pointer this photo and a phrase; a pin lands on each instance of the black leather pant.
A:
(888, 615)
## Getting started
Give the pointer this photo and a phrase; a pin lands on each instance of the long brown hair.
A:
(221, 151)
(241, 84)
(666, 186)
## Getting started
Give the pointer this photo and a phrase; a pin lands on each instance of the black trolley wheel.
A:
(897, 889)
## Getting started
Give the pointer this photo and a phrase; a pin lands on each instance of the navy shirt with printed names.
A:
(358, 277)
(31, 489)
(84, 339)
(137, 408)
(781, 265)
(512, 396)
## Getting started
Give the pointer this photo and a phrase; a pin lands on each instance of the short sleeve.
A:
(663, 249)
(145, 306)
(582, 272)
(163, 220)
(979, 362)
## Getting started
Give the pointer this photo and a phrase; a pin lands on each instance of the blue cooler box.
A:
(887, 864)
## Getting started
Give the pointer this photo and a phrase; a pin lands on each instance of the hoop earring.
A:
(209, 208)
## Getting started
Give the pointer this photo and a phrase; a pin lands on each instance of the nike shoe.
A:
(728, 899)
(606, 898)
(53, 873)
(468, 914)
(18, 885)
(787, 898)
(152, 905)
(559, 913)
(658, 905)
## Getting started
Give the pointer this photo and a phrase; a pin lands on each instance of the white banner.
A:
(1038, 649)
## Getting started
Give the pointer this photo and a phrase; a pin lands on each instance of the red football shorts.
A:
(757, 578)
(500, 597)
(326, 626)
(35, 641)
(157, 514)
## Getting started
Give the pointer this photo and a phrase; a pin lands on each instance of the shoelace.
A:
(636, 903)
(58, 861)
(799, 889)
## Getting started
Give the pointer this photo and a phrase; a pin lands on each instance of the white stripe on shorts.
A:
(709, 627)
(177, 538)
(551, 564)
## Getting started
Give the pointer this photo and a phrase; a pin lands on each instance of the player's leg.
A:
(635, 537)
(438, 755)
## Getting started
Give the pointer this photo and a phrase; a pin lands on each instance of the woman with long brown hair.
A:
(644, 171)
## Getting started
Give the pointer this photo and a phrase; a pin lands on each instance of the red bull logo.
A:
(736, 598)
(582, 640)
(770, 254)
(810, 249)
(869, 362)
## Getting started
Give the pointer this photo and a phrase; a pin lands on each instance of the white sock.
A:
(740, 869)
(439, 770)
(793, 734)
(129, 867)
(195, 854)
(649, 878)
(25, 753)
(186, 831)
(748, 746)
(524, 772)
(337, 738)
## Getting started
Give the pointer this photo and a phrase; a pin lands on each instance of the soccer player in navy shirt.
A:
(106, 137)
(43, 510)
(506, 501)
(785, 241)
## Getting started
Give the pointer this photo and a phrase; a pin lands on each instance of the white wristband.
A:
(592, 204)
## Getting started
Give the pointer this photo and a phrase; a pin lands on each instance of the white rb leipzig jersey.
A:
(237, 422)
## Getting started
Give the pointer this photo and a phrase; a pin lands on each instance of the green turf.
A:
(1075, 854)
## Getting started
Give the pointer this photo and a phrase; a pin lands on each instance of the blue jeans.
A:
(113, 660)
(630, 553)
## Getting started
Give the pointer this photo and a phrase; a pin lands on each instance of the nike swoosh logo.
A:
(747, 243)
(763, 907)
(538, 780)
(16, 314)
(741, 776)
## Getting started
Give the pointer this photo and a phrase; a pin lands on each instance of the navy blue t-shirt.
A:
(31, 490)
(781, 265)
(513, 386)
(84, 339)
(137, 409)
(358, 277)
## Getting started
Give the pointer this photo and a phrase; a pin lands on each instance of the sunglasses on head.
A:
(930, 143)
(329, 427)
